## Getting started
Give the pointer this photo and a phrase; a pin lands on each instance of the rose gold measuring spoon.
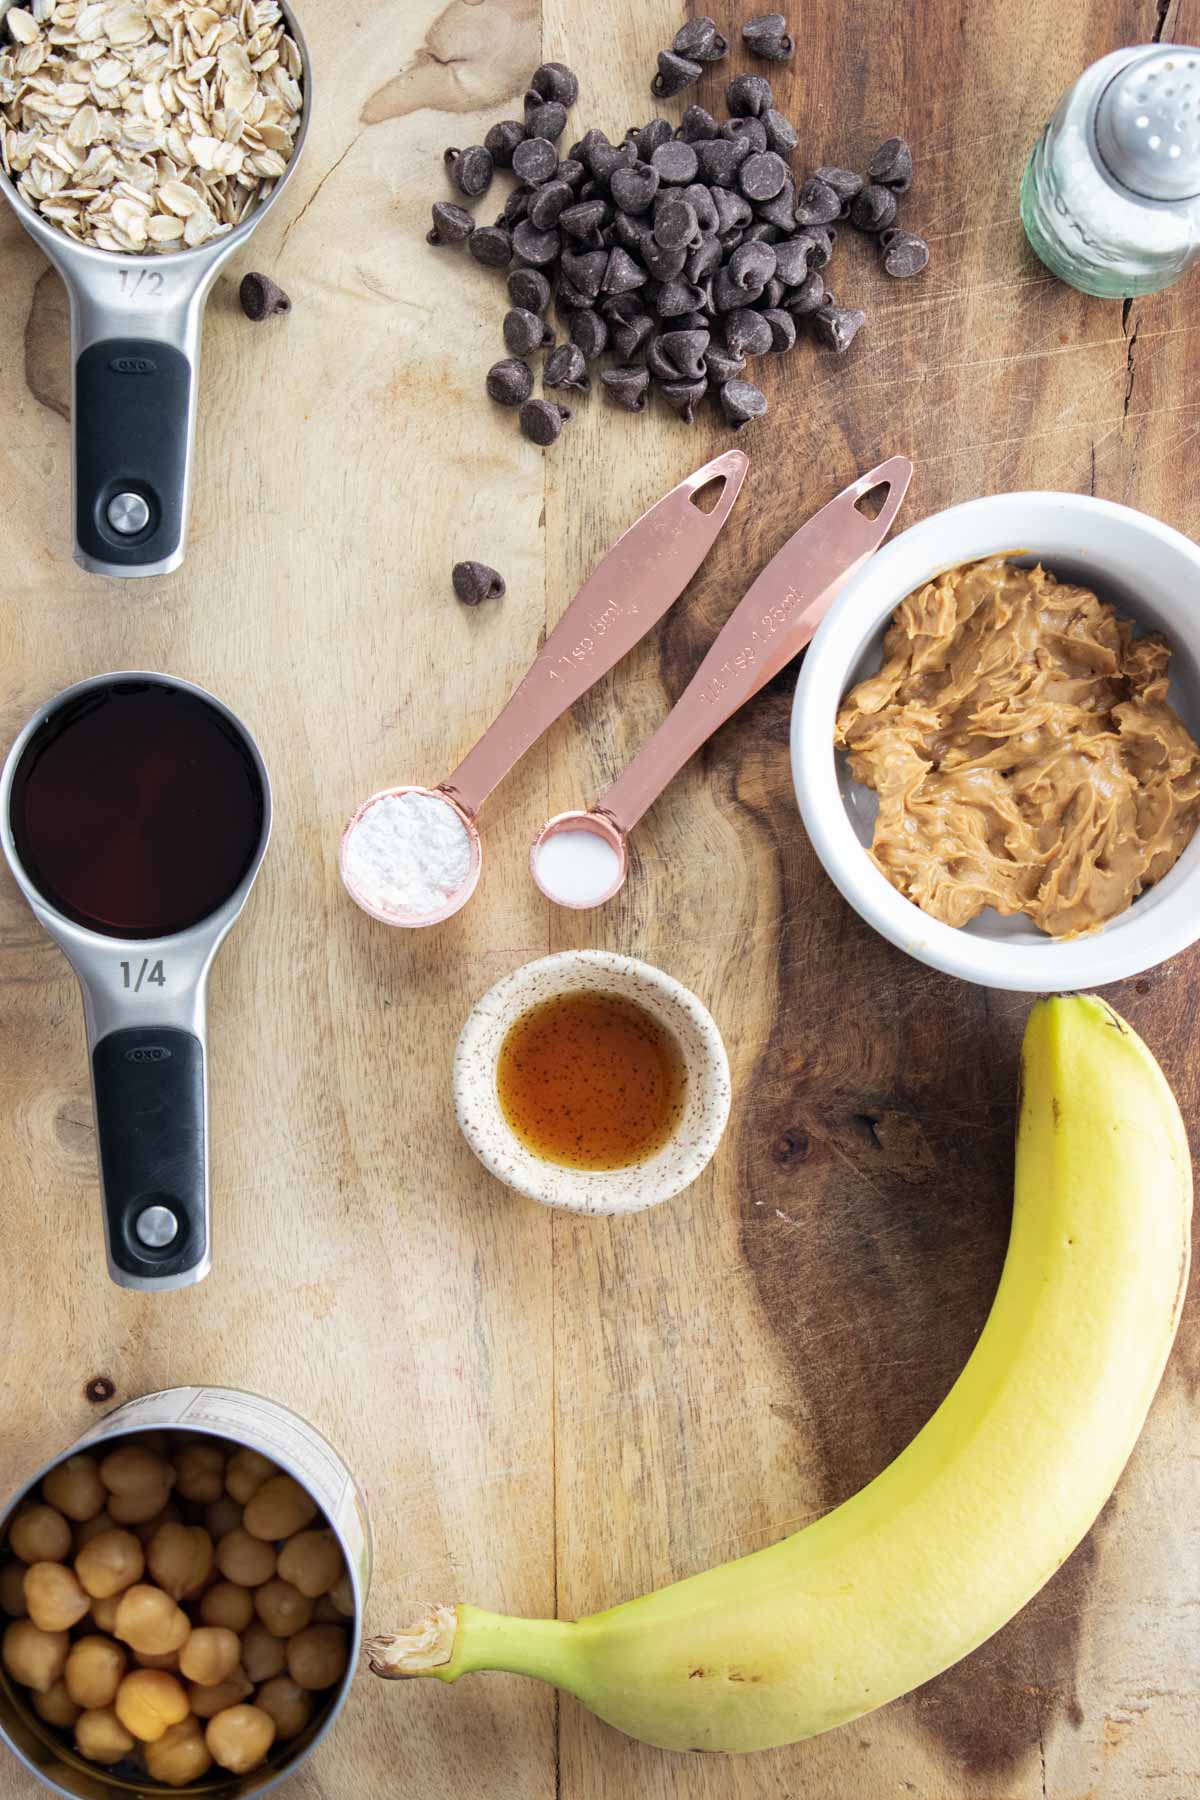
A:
(580, 859)
(625, 595)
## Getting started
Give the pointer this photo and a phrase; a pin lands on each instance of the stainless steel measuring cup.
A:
(143, 988)
(135, 361)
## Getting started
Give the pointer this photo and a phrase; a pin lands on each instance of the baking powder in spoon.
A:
(407, 853)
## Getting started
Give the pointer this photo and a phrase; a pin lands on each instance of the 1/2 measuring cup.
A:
(135, 811)
(135, 360)
(580, 859)
(625, 595)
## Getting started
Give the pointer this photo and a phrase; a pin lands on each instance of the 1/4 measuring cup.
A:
(135, 359)
(642, 575)
(134, 813)
(580, 859)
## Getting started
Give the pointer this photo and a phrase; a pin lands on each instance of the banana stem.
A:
(449, 1642)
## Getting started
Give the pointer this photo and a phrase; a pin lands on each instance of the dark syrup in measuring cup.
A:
(137, 809)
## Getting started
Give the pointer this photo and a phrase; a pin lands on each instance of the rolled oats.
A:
(147, 125)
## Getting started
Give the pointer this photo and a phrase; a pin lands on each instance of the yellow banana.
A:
(978, 1512)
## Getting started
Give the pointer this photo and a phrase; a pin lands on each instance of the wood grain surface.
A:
(551, 1413)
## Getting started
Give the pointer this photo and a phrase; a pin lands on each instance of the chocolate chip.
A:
(629, 385)
(675, 224)
(699, 198)
(585, 271)
(555, 81)
(749, 96)
(608, 158)
(698, 126)
(530, 289)
(703, 261)
(741, 402)
(544, 119)
(474, 581)
(783, 327)
(700, 40)
(677, 163)
(646, 138)
(684, 397)
(622, 274)
(547, 205)
(572, 172)
(772, 295)
(727, 296)
(534, 161)
(891, 165)
(451, 224)
(820, 244)
(733, 209)
(629, 334)
(844, 182)
(747, 333)
(722, 364)
(584, 218)
(516, 206)
(509, 382)
(589, 332)
(492, 246)
(761, 232)
(904, 253)
(634, 189)
(674, 74)
(543, 420)
(817, 203)
(502, 139)
(749, 131)
(664, 261)
(719, 161)
(761, 177)
(540, 248)
(568, 300)
(874, 209)
(780, 212)
(767, 36)
(631, 231)
(526, 331)
(679, 355)
(675, 297)
(781, 133)
(470, 170)
(751, 267)
(806, 296)
(260, 297)
(791, 260)
(837, 326)
(566, 367)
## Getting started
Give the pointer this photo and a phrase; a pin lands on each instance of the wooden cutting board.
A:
(547, 1412)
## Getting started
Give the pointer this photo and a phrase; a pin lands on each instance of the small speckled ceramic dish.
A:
(706, 1100)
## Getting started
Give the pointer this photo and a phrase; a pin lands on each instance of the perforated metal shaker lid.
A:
(1148, 123)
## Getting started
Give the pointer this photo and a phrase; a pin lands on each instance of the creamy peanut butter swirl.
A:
(1020, 742)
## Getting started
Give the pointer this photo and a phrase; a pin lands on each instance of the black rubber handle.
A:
(149, 1085)
(133, 424)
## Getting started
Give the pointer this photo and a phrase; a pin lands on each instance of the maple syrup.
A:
(591, 1081)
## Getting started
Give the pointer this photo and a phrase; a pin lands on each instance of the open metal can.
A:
(250, 1422)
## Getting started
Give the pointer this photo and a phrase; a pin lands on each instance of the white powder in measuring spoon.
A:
(407, 854)
(577, 868)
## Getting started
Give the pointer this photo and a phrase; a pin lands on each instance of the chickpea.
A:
(93, 1671)
(146, 1659)
(279, 1508)
(222, 1517)
(180, 1558)
(132, 1469)
(207, 1702)
(263, 1654)
(111, 1562)
(245, 1559)
(104, 1613)
(40, 1535)
(83, 1534)
(311, 1561)
(100, 1736)
(288, 1705)
(149, 1701)
(12, 1588)
(149, 1620)
(228, 1605)
(211, 1655)
(54, 1597)
(282, 1608)
(56, 1706)
(240, 1737)
(33, 1657)
(245, 1474)
(200, 1472)
(144, 1529)
(75, 1488)
(138, 1509)
(325, 1612)
(317, 1656)
(180, 1756)
(342, 1595)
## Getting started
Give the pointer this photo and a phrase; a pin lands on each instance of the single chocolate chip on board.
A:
(628, 385)
(260, 297)
(474, 581)
(722, 365)
(874, 209)
(555, 81)
(749, 96)
(543, 420)
(844, 182)
(783, 328)
(892, 165)
(741, 402)
(470, 169)
(684, 397)
(565, 368)
(492, 246)
(782, 136)
(700, 40)
(747, 333)
(502, 139)
(674, 74)
(904, 253)
(509, 382)
(544, 118)
(526, 331)
(767, 36)
(451, 224)
(836, 326)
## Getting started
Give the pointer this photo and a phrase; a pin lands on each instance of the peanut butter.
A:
(1020, 742)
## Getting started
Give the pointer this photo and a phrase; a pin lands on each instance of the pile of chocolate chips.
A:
(683, 250)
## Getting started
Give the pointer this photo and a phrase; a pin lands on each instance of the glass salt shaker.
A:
(1110, 198)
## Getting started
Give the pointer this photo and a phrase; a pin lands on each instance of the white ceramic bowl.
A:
(1153, 574)
(643, 1184)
